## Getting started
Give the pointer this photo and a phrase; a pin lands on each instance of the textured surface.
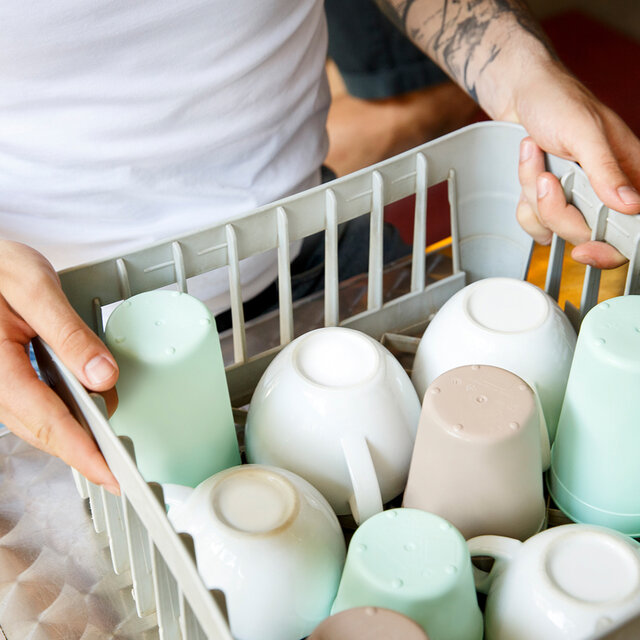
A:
(56, 579)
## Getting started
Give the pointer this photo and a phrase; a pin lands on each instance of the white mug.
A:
(338, 409)
(506, 323)
(566, 583)
(270, 542)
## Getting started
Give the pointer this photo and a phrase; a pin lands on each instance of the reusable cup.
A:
(415, 563)
(566, 583)
(270, 542)
(337, 408)
(173, 400)
(480, 452)
(368, 623)
(595, 462)
(506, 323)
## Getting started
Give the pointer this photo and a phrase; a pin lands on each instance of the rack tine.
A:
(331, 273)
(98, 325)
(376, 239)
(123, 279)
(167, 596)
(452, 191)
(554, 267)
(82, 484)
(116, 530)
(284, 278)
(632, 284)
(165, 586)
(97, 494)
(139, 558)
(237, 312)
(138, 548)
(97, 507)
(178, 265)
(418, 260)
(591, 283)
(189, 625)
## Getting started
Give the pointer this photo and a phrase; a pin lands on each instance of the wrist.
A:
(518, 71)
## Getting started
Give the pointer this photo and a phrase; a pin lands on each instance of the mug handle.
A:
(500, 548)
(366, 499)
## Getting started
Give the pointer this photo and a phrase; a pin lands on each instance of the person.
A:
(122, 124)
(386, 95)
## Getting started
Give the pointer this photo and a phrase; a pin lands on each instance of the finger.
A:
(529, 221)
(41, 303)
(598, 254)
(610, 182)
(562, 218)
(531, 165)
(39, 416)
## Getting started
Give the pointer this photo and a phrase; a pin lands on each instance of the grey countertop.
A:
(56, 578)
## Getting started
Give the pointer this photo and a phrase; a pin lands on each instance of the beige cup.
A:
(480, 452)
(368, 623)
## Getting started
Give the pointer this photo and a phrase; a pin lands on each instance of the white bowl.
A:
(566, 583)
(506, 323)
(337, 408)
(270, 541)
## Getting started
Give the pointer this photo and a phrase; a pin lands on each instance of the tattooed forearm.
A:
(396, 12)
(461, 34)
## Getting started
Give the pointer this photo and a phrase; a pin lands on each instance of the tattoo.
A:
(454, 34)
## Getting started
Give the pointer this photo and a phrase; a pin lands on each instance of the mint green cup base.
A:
(579, 511)
(415, 563)
(595, 472)
(173, 400)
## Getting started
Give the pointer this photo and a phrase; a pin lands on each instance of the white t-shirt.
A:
(125, 122)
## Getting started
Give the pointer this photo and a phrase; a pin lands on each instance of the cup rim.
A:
(378, 364)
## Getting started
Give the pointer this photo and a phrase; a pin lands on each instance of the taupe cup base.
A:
(478, 457)
(368, 623)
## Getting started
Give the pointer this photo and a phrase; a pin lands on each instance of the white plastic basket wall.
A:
(480, 165)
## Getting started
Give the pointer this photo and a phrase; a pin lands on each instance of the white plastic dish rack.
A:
(479, 164)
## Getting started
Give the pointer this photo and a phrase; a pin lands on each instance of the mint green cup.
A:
(417, 564)
(595, 469)
(173, 400)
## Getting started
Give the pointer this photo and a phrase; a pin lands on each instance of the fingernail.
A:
(99, 369)
(112, 488)
(629, 195)
(584, 260)
(542, 187)
(526, 151)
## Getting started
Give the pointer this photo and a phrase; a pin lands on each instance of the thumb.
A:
(75, 344)
(42, 304)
